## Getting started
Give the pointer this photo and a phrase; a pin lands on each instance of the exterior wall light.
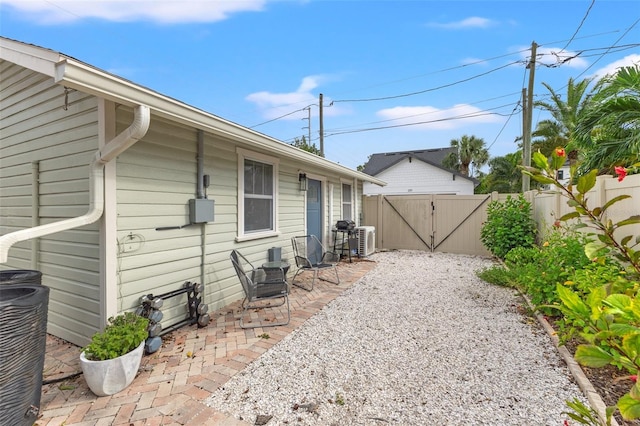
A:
(302, 179)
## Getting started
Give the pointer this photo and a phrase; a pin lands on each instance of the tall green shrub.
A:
(509, 224)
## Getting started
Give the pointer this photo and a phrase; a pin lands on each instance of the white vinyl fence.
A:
(551, 205)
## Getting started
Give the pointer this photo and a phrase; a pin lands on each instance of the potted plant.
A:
(110, 362)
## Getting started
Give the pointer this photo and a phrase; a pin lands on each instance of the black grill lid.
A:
(345, 224)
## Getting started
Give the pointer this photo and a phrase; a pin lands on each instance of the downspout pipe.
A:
(115, 147)
(200, 166)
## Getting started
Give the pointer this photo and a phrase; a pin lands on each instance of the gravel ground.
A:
(420, 340)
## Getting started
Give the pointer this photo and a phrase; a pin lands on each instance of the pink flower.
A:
(560, 152)
(621, 172)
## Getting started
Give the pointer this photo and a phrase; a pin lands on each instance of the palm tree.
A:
(548, 136)
(609, 133)
(469, 155)
(504, 175)
(565, 114)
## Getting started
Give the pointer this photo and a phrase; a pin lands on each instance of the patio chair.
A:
(259, 286)
(310, 255)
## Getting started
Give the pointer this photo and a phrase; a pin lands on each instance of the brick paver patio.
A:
(174, 382)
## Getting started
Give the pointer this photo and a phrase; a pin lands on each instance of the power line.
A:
(459, 117)
(354, 128)
(426, 113)
(607, 51)
(515, 110)
(430, 89)
(579, 26)
(278, 118)
(480, 61)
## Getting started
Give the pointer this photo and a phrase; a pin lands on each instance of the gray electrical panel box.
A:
(200, 210)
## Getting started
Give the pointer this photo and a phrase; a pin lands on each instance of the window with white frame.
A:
(257, 183)
(347, 203)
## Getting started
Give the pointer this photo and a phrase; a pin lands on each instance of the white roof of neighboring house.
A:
(81, 76)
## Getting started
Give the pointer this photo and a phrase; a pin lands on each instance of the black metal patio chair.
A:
(260, 286)
(311, 255)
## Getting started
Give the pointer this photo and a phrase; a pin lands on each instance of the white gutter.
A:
(111, 150)
(87, 79)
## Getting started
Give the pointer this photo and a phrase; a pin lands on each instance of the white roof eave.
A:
(80, 76)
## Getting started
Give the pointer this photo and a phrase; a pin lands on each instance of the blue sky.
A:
(395, 75)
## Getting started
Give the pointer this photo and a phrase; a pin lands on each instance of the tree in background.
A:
(565, 114)
(305, 146)
(360, 168)
(504, 175)
(469, 156)
(608, 134)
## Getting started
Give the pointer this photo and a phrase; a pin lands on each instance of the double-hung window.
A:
(347, 203)
(257, 194)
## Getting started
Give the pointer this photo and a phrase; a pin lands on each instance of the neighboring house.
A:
(416, 172)
(564, 173)
(114, 191)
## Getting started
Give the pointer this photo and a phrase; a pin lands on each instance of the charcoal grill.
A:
(345, 225)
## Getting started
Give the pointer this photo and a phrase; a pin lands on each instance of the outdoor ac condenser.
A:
(366, 240)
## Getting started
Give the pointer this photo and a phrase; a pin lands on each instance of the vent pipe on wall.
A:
(115, 147)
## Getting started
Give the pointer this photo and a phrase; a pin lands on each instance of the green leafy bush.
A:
(608, 317)
(509, 224)
(537, 270)
(497, 275)
(123, 334)
(583, 282)
(594, 275)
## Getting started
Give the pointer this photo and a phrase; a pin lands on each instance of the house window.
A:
(560, 174)
(257, 183)
(347, 204)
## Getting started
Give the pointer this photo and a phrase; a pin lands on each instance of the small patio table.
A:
(275, 266)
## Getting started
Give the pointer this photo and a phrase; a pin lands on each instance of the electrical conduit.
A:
(115, 147)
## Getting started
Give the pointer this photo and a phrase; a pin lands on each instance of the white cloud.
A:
(612, 68)
(472, 22)
(166, 12)
(274, 105)
(431, 118)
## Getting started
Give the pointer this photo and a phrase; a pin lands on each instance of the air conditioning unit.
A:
(366, 240)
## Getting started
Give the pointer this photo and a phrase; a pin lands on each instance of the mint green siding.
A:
(46, 146)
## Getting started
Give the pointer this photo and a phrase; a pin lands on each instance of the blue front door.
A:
(314, 208)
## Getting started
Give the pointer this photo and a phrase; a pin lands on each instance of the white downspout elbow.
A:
(115, 147)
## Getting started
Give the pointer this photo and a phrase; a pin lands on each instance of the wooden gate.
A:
(431, 222)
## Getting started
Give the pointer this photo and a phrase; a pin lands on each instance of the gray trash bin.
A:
(274, 254)
(20, 276)
(23, 337)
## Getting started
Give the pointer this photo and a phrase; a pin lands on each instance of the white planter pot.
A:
(112, 375)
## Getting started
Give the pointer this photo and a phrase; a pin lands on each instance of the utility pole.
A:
(526, 147)
(309, 122)
(527, 112)
(320, 114)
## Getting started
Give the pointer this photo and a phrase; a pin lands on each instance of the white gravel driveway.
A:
(420, 340)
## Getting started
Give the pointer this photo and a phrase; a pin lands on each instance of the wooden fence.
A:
(452, 223)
